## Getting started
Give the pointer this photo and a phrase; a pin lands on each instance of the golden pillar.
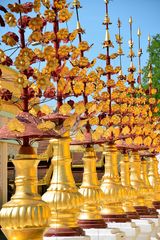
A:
(90, 216)
(130, 191)
(26, 215)
(138, 185)
(62, 196)
(112, 208)
(150, 192)
(154, 179)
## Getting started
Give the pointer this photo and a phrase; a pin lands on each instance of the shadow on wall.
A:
(2, 237)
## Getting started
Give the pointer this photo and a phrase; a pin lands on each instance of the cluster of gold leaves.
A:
(16, 126)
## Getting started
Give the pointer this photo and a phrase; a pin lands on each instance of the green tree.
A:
(154, 61)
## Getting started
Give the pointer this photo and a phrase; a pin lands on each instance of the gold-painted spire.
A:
(106, 20)
(150, 68)
(139, 56)
(119, 23)
(120, 51)
(107, 43)
(107, 38)
(76, 4)
(139, 32)
(130, 21)
(150, 74)
(149, 40)
(131, 52)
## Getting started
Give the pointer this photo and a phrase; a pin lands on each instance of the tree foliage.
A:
(154, 60)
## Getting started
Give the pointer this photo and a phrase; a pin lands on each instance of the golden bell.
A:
(154, 179)
(138, 184)
(62, 195)
(90, 216)
(112, 208)
(131, 194)
(25, 216)
(150, 191)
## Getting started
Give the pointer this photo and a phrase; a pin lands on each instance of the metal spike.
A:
(139, 32)
(130, 20)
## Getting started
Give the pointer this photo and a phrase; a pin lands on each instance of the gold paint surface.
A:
(26, 215)
(131, 194)
(90, 188)
(144, 176)
(137, 182)
(111, 185)
(154, 177)
(62, 195)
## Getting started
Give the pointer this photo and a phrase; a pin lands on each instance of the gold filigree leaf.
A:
(109, 69)
(114, 55)
(102, 56)
(33, 112)
(78, 87)
(100, 106)
(16, 125)
(79, 107)
(125, 120)
(115, 119)
(108, 132)
(92, 108)
(69, 122)
(116, 132)
(105, 121)
(158, 149)
(89, 89)
(94, 121)
(125, 130)
(152, 100)
(118, 142)
(128, 141)
(147, 141)
(156, 141)
(153, 135)
(138, 140)
(98, 133)
(46, 109)
(65, 109)
(45, 126)
(79, 136)
(153, 91)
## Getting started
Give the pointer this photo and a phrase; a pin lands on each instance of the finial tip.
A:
(119, 23)
(76, 3)
(149, 37)
(130, 20)
(139, 32)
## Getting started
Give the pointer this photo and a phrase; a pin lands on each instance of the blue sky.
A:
(145, 14)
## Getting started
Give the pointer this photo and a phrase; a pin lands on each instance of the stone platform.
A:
(105, 234)
(68, 238)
